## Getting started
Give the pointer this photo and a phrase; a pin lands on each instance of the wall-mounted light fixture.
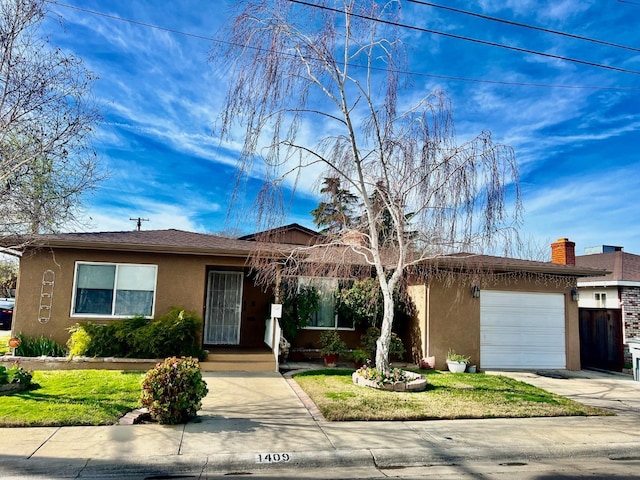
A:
(575, 295)
(475, 291)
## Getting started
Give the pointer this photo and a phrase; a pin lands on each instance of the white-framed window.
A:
(113, 290)
(326, 317)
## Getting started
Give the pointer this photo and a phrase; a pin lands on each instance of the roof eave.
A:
(141, 248)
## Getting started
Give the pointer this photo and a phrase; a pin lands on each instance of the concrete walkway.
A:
(256, 421)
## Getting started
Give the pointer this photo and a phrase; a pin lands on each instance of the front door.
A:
(224, 308)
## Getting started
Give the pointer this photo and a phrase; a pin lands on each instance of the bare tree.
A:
(335, 67)
(46, 122)
(8, 275)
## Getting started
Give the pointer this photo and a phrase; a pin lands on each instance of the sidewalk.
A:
(256, 421)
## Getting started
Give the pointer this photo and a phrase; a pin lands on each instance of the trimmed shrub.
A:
(39, 346)
(173, 390)
(175, 333)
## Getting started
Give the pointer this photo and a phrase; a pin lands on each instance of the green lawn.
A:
(4, 340)
(73, 397)
(448, 396)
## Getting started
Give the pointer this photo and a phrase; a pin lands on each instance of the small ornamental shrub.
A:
(39, 346)
(173, 390)
(370, 338)
(331, 343)
(79, 341)
(15, 374)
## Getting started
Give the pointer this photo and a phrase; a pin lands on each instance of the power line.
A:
(525, 25)
(134, 22)
(415, 74)
(469, 39)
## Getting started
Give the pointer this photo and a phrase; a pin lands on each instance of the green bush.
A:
(298, 307)
(15, 374)
(362, 302)
(175, 333)
(173, 390)
(369, 343)
(39, 346)
(331, 343)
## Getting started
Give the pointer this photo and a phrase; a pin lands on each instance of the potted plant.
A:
(359, 357)
(331, 347)
(456, 362)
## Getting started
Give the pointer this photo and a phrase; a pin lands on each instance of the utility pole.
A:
(139, 222)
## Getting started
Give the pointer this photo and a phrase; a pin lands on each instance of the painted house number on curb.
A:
(273, 458)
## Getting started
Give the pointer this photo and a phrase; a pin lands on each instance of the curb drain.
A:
(513, 464)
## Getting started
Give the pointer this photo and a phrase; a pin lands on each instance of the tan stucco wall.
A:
(181, 281)
(450, 318)
(418, 337)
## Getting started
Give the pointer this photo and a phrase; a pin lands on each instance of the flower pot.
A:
(428, 363)
(456, 367)
(331, 359)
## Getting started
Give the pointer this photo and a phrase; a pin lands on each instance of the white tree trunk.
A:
(383, 343)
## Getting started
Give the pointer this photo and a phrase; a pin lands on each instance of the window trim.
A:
(73, 314)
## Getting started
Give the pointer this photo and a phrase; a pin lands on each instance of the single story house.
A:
(521, 315)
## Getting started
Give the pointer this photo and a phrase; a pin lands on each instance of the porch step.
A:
(241, 360)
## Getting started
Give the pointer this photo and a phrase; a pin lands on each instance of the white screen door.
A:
(224, 305)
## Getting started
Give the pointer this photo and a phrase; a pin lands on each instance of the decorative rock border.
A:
(416, 383)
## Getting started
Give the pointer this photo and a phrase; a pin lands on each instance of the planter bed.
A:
(79, 363)
(417, 383)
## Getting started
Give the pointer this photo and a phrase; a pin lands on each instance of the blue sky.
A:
(575, 128)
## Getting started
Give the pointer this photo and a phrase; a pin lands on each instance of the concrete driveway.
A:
(614, 391)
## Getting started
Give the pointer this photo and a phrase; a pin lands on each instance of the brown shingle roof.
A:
(621, 265)
(182, 242)
(490, 262)
(169, 241)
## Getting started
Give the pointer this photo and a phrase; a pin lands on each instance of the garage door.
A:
(522, 330)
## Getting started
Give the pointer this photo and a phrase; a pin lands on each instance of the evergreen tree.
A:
(336, 214)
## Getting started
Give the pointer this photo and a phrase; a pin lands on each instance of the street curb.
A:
(380, 458)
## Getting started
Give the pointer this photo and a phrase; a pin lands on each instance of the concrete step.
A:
(238, 366)
(241, 360)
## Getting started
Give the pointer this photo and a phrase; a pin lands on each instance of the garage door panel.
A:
(522, 330)
(515, 360)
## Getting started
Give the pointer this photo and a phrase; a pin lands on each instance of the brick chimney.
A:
(563, 252)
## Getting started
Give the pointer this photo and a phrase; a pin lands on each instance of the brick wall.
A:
(630, 297)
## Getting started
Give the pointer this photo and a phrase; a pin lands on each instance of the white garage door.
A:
(522, 330)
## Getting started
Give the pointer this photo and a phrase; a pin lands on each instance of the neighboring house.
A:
(609, 306)
(520, 316)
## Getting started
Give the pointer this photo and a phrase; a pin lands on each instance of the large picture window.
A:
(111, 289)
(326, 317)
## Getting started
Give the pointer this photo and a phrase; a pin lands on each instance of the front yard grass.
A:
(4, 343)
(72, 397)
(448, 396)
